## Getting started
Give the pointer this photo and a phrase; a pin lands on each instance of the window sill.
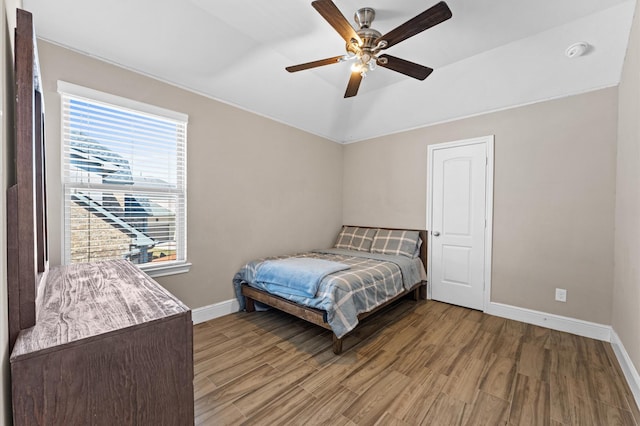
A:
(164, 270)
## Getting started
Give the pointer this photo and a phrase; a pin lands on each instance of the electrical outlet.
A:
(561, 295)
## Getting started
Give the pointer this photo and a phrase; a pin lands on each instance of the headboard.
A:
(27, 248)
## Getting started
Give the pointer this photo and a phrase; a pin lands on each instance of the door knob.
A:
(436, 234)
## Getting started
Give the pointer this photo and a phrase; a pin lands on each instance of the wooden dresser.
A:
(110, 347)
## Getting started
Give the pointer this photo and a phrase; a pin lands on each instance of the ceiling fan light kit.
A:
(364, 45)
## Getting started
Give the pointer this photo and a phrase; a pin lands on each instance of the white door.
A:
(458, 222)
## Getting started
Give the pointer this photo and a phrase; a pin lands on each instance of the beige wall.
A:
(626, 290)
(255, 187)
(554, 187)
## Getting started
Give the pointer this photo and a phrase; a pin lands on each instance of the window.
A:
(124, 178)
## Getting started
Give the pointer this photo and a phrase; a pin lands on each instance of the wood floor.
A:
(415, 363)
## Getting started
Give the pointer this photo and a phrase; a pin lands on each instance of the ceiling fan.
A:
(364, 45)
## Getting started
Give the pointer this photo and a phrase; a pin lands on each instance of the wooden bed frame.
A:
(318, 316)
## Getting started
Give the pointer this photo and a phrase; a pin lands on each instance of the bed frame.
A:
(318, 316)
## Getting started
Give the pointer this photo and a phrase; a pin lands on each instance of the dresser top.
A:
(85, 300)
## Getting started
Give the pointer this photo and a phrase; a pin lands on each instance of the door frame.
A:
(488, 141)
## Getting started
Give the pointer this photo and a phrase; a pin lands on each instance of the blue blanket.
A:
(299, 276)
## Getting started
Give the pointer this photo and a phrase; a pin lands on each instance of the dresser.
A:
(110, 347)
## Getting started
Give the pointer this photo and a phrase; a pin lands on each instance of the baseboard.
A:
(209, 312)
(552, 321)
(629, 370)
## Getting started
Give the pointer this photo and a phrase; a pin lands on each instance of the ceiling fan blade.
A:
(427, 19)
(314, 64)
(353, 85)
(405, 67)
(336, 19)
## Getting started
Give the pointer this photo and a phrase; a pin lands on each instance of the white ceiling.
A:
(493, 54)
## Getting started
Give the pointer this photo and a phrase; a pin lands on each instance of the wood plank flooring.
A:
(420, 362)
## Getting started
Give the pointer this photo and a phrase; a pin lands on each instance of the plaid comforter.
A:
(371, 280)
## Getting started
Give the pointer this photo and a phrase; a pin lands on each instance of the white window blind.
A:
(124, 176)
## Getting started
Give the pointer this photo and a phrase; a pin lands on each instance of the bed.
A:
(366, 270)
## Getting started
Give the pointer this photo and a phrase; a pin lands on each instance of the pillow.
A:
(396, 242)
(344, 237)
(363, 239)
(355, 238)
(417, 252)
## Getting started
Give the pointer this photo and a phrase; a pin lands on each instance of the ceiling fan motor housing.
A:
(364, 17)
(368, 36)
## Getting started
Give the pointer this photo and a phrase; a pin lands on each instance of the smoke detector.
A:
(577, 49)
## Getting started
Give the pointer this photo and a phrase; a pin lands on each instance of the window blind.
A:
(124, 177)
